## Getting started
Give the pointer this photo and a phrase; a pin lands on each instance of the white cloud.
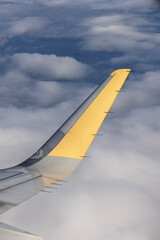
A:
(96, 3)
(32, 79)
(117, 33)
(24, 25)
(29, 103)
(29, 89)
(142, 92)
(50, 66)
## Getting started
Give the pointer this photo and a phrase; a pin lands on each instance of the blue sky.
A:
(52, 55)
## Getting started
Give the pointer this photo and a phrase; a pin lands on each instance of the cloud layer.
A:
(32, 79)
(118, 33)
(31, 85)
(115, 193)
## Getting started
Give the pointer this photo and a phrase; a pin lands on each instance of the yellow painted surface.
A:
(47, 182)
(78, 139)
(53, 178)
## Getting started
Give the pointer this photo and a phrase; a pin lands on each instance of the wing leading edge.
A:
(63, 152)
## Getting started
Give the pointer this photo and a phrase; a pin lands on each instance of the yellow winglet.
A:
(77, 140)
(118, 71)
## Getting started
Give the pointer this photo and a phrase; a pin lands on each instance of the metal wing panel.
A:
(5, 207)
(18, 188)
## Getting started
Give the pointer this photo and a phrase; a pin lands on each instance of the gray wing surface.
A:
(16, 186)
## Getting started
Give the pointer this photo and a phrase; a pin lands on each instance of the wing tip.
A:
(127, 70)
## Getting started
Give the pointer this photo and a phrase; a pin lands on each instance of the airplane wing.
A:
(63, 152)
